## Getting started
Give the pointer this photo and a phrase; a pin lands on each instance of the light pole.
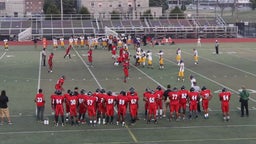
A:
(61, 9)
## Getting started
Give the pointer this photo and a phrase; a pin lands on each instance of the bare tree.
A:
(222, 5)
(234, 7)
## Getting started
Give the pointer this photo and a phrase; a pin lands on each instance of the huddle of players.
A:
(99, 105)
(177, 100)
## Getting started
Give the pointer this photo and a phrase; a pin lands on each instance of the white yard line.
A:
(224, 65)
(158, 83)
(85, 64)
(2, 55)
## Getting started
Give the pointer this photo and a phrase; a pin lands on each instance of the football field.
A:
(22, 73)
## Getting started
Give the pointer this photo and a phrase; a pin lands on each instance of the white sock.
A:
(161, 111)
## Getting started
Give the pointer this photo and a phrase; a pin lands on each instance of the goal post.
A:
(110, 32)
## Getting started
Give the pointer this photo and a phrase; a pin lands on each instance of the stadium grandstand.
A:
(190, 26)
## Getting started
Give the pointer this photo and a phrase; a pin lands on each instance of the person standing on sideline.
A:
(225, 96)
(192, 80)
(197, 89)
(4, 110)
(244, 97)
(35, 42)
(40, 102)
(206, 95)
(50, 63)
(217, 47)
(166, 99)
(43, 56)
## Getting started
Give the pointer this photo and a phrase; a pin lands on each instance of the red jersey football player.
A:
(50, 63)
(59, 111)
(133, 105)
(110, 104)
(193, 98)
(183, 101)
(89, 54)
(91, 107)
(82, 106)
(145, 95)
(225, 98)
(52, 102)
(122, 101)
(68, 51)
(40, 102)
(121, 50)
(159, 109)
(59, 84)
(67, 108)
(206, 95)
(113, 51)
(151, 98)
(73, 103)
(174, 103)
(101, 106)
(126, 70)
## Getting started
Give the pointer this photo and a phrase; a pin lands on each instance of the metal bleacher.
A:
(185, 27)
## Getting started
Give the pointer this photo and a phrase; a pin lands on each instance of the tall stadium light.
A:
(61, 9)
(197, 6)
(215, 8)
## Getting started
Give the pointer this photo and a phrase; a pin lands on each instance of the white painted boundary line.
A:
(118, 129)
(88, 68)
(39, 77)
(39, 71)
(225, 65)
(2, 55)
(148, 76)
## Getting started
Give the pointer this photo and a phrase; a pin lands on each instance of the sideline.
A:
(39, 77)
(119, 129)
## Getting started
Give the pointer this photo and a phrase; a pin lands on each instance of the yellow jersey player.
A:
(161, 59)
(120, 43)
(178, 56)
(62, 44)
(143, 58)
(195, 55)
(76, 42)
(81, 41)
(181, 71)
(55, 43)
(71, 40)
(150, 59)
(6, 44)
